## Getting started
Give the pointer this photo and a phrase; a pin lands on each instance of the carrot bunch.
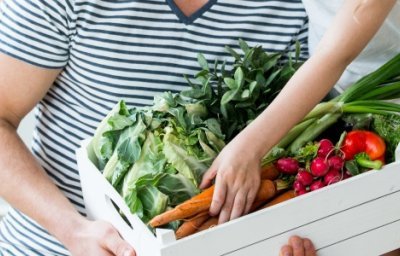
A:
(194, 211)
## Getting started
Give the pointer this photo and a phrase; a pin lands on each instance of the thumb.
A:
(118, 247)
(209, 176)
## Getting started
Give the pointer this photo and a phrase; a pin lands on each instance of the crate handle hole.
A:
(115, 207)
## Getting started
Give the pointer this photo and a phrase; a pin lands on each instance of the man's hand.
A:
(98, 238)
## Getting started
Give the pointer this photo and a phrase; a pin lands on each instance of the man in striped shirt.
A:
(72, 60)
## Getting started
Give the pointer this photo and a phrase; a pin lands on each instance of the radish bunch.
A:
(325, 167)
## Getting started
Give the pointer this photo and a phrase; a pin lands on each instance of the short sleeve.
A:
(36, 31)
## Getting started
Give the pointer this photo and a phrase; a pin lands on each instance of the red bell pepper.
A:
(370, 143)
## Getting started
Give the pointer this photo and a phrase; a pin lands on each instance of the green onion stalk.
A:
(370, 94)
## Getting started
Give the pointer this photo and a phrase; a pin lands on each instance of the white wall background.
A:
(25, 131)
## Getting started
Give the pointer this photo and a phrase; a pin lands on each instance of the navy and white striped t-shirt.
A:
(119, 49)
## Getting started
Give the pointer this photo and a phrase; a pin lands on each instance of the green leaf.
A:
(232, 52)
(230, 83)
(272, 61)
(272, 77)
(213, 125)
(252, 87)
(202, 62)
(134, 204)
(352, 167)
(245, 94)
(239, 78)
(154, 202)
(228, 96)
(129, 151)
(243, 45)
(177, 187)
(200, 75)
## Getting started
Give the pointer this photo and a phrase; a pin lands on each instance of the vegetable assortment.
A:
(322, 163)
(155, 156)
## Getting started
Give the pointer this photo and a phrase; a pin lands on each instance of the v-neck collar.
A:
(190, 19)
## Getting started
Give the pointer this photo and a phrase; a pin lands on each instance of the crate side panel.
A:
(290, 215)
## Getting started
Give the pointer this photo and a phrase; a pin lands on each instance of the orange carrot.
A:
(210, 223)
(267, 190)
(281, 198)
(202, 202)
(192, 225)
(269, 172)
(189, 208)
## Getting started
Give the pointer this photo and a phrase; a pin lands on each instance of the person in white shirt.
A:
(347, 40)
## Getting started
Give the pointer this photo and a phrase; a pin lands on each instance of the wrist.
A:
(69, 228)
(255, 148)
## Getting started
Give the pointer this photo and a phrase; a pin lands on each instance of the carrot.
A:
(202, 202)
(281, 198)
(266, 191)
(192, 225)
(189, 208)
(210, 223)
(269, 172)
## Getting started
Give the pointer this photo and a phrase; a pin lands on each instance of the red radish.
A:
(325, 147)
(317, 185)
(287, 165)
(298, 186)
(332, 176)
(301, 192)
(319, 166)
(336, 162)
(346, 174)
(304, 177)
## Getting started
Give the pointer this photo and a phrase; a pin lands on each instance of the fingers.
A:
(116, 245)
(239, 205)
(309, 247)
(251, 196)
(298, 247)
(208, 177)
(226, 210)
(286, 251)
(219, 197)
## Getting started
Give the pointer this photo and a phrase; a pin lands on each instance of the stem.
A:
(385, 92)
(295, 132)
(314, 130)
(338, 145)
(376, 165)
(385, 73)
(362, 109)
(281, 184)
(324, 108)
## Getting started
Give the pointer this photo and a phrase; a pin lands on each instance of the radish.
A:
(298, 186)
(287, 165)
(319, 166)
(301, 192)
(304, 177)
(336, 162)
(317, 185)
(346, 174)
(332, 176)
(325, 148)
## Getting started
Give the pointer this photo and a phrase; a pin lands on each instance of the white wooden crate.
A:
(358, 216)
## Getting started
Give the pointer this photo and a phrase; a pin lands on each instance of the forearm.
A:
(305, 90)
(352, 29)
(27, 187)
